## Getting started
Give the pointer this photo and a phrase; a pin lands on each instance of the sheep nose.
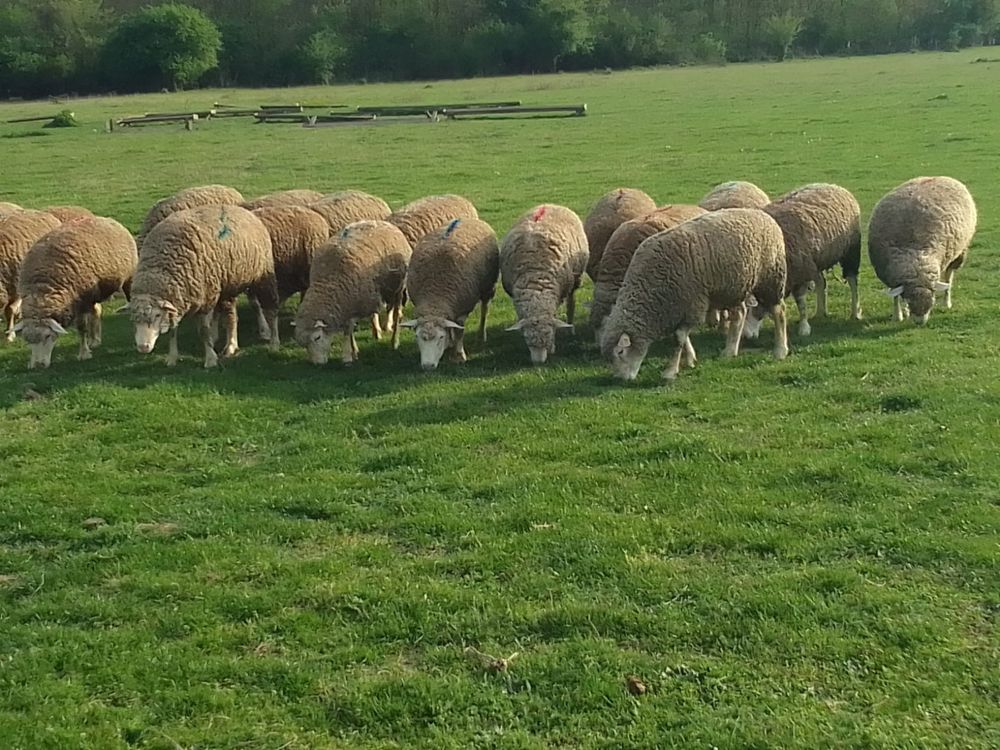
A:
(144, 348)
(429, 366)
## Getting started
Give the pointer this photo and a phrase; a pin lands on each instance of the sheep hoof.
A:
(780, 353)
(859, 315)
(230, 351)
(172, 361)
(84, 356)
(9, 338)
(211, 361)
(804, 329)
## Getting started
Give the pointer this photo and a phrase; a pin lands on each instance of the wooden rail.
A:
(577, 110)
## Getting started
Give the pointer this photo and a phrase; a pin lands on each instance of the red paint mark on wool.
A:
(539, 214)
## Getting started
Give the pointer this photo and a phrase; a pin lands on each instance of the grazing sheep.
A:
(918, 237)
(284, 198)
(352, 276)
(719, 260)
(296, 234)
(422, 217)
(193, 197)
(66, 276)
(69, 213)
(349, 206)
(609, 213)
(734, 195)
(18, 232)
(451, 271)
(541, 261)
(822, 227)
(6, 209)
(619, 251)
(200, 260)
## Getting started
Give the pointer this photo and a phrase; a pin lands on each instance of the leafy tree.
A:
(781, 33)
(162, 46)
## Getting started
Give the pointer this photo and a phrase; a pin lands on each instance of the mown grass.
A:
(795, 554)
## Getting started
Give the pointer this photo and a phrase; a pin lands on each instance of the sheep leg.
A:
(271, 318)
(396, 317)
(734, 332)
(674, 365)
(949, 276)
(376, 327)
(127, 290)
(898, 313)
(690, 357)
(84, 325)
(10, 316)
(96, 325)
(208, 323)
(228, 309)
(458, 348)
(571, 307)
(347, 354)
(484, 309)
(263, 327)
(856, 312)
(780, 331)
(800, 301)
(822, 298)
(172, 354)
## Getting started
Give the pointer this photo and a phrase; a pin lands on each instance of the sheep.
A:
(284, 198)
(352, 275)
(918, 237)
(723, 260)
(66, 276)
(450, 272)
(18, 232)
(69, 213)
(200, 260)
(6, 209)
(427, 215)
(822, 227)
(541, 261)
(609, 213)
(296, 234)
(619, 251)
(347, 207)
(193, 197)
(734, 195)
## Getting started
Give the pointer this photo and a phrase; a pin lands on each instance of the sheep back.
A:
(542, 259)
(350, 206)
(736, 194)
(6, 209)
(74, 266)
(296, 234)
(622, 246)
(354, 273)
(70, 213)
(610, 212)
(201, 256)
(426, 215)
(822, 227)
(297, 197)
(920, 229)
(717, 260)
(454, 269)
(193, 197)
(18, 232)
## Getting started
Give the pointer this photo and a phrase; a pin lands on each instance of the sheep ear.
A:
(562, 324)
(453, 324)
(517, 326)
(169, 307)
(410, 323)
(624, 341)
(320, 325)
(895, 291)
(54, 326)
(941, 286)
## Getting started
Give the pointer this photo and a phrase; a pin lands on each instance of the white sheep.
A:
(18, 232)
(736, 194)
(352, 276)
(822, 227)
(718, 260)
(611, 211)
(199, 261)
(542, 259)
(66, 276)
(430, 214)
(192, 197)
(918, 237)
(451, 271)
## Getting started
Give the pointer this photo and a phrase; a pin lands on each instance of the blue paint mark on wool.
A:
(452, 227)
(224, 231)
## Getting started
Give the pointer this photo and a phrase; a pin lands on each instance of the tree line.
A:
(58, 46)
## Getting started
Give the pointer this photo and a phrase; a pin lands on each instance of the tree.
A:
(781, 33)
(162, 46)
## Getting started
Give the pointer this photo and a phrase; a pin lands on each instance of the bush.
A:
(64, 119)
(707, 48)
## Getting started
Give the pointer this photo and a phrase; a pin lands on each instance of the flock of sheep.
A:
(657, 271)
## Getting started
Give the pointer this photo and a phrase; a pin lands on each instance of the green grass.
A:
(796, 554)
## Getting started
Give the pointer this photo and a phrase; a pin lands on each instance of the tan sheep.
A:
(199, 261)
(69, 213)
(296, 234)
(719, 260)
(542, 259)
(918, 237)
(609, 213)
(66, 276)
(735, 194)
(426, 215)
(284, 198)
(353, 275)
(619, 251)
(451, 271)
(193, 197)
(349, 206)
(18, 232)
(822, 227)
(6, 209)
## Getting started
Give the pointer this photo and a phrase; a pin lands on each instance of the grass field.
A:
(800, 554)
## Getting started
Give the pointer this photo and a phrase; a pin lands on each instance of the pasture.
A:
(793, 554)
